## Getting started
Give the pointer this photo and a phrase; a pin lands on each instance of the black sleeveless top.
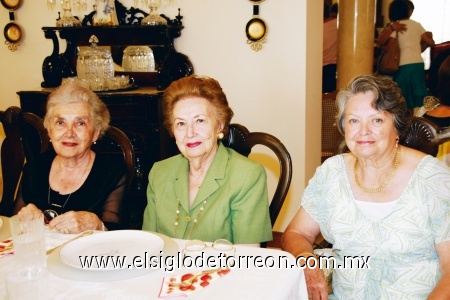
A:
(101, 193)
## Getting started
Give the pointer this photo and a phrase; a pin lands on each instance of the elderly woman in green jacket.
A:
(209, 191)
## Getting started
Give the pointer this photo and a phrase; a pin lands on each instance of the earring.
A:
(95, 142)
(396, 142)
(50, 141)
(220, 136)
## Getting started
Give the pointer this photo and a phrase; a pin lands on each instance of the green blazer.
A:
(235, 191)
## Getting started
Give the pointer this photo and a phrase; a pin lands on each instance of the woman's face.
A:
(369, 133)
(195, 127)
(71, 129)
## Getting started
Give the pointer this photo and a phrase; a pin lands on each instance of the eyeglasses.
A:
(219, 245)
(219, 249)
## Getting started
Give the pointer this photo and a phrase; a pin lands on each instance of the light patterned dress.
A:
(403, 261)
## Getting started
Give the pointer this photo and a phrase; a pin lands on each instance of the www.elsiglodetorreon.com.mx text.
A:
(171, 262)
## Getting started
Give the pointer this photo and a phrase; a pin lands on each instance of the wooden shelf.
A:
(171, 65)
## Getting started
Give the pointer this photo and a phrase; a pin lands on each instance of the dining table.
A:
(262, 273)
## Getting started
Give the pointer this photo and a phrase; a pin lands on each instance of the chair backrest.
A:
(442, 135)
(330, 133)
(12, 158)
(421, 134)
(435, 65)
(241, 140)
(438, 48)
(115, 140)
(35, 139)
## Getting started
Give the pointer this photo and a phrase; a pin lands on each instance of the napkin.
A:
(170, 288)
(6, 247)
(53, 238)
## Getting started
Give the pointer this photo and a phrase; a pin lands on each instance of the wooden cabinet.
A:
(138, 113)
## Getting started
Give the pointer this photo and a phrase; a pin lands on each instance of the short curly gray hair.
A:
(387, 96)
(74, 93)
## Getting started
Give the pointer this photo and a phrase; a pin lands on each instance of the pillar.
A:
(356, 22)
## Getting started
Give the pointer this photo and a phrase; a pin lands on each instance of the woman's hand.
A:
(76, 221)
(397, 26)
(316, 283)
(29, 209)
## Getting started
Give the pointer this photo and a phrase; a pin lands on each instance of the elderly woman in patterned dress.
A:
(382, 200)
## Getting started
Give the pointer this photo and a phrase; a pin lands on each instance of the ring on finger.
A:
(66, 231)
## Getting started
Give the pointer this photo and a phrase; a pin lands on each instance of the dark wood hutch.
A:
(138, 111)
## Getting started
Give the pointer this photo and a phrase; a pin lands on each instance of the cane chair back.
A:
(330, 133)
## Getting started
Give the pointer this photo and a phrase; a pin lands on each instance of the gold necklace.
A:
(385, 183)
(188, 218)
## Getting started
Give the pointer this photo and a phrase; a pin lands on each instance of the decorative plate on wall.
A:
(12, 31)
(256, 28)
(11, 4)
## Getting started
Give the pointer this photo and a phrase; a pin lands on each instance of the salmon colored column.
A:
(356, 39)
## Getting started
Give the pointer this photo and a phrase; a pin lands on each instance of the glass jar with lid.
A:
(138, 59)
(95, 64)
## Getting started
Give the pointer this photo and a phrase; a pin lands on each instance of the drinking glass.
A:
(23, 284)
(28, 234)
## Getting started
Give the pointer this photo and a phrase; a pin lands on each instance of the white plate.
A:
(1, 223)
(123, 243)
(60, 269)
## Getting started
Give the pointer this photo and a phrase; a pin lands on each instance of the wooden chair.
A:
(330, 134)
(114, 141)
(438, 48)
(241, 140)
(421, 134)
(435, 64)
(34, 135)
(12, 158)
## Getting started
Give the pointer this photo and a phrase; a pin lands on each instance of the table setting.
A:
(154, 267)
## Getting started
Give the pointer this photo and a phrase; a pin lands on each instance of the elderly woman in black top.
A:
(85, 189)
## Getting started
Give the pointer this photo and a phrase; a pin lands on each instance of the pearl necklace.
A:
(188, 218)
(385, 183)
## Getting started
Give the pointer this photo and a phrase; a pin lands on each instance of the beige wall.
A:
(276, 90)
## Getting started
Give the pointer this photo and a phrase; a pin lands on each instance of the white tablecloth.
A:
(242, 283)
